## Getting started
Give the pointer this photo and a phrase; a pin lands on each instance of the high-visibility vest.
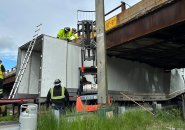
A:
(70, 34)
(57, 97)
(62, 35)
(1, 72)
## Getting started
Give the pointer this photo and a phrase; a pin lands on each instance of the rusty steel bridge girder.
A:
(168, 15)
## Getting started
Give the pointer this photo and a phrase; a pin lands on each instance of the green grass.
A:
(8, 118)
(169, 118)
(131, 120)
(136, 120)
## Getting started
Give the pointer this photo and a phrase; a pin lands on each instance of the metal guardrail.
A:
(10, 72)
(86, 15)
(122, 6)
(136, 11)
(91, 16)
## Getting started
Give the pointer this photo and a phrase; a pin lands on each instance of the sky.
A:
(19, 18)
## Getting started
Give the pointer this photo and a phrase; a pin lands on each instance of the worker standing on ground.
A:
(2, 74)
(63, 34)
(58, 96)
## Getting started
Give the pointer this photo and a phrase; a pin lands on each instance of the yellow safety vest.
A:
(62, 35)
(70, 34)
(1, 77)
(1, 72)
(57, 97)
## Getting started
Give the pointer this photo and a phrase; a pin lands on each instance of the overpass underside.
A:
(156, 38)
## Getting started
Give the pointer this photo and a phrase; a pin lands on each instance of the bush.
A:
(170, 118)
(169, 115)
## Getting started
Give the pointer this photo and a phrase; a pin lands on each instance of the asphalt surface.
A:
(9, 126)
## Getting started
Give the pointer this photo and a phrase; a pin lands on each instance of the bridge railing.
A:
(10, 71)
(137, 10)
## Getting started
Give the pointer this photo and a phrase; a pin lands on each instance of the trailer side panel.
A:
(53, 63)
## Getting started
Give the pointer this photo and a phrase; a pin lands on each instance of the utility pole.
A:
(101, 53)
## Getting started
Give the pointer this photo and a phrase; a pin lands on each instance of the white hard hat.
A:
(57, 82)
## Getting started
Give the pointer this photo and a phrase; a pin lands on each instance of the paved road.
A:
(9, 126)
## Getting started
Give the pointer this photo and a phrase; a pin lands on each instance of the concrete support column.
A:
(101, 52)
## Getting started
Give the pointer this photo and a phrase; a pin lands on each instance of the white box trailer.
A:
(53, 58)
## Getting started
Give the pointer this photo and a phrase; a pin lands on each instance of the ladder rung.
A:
(17, 81)
(23, 65)
(39, 25)
(35, 35)
(37, 30)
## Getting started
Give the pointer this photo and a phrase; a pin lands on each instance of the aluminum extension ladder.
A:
(24, 64)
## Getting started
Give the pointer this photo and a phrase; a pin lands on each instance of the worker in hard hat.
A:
(63, 34)
(67, 34)
(2, 74)
(72, 34)
(58, 98)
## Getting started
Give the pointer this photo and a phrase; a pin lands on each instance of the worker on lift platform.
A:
(2, 74)
(58, 97)
(72, 34)
(67, 34)
(63, 33)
